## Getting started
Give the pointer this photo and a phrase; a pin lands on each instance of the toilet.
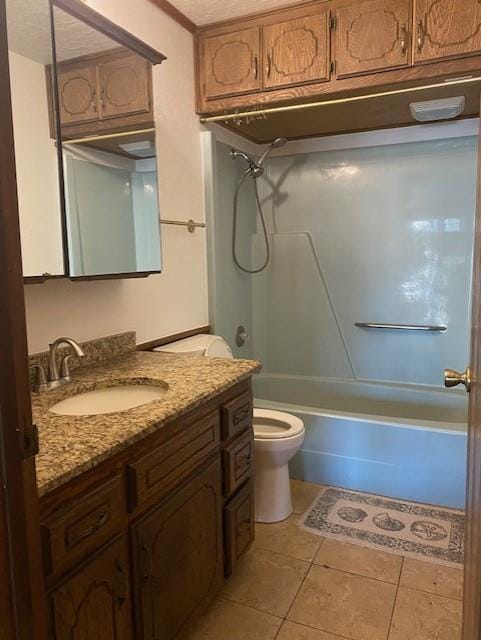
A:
(277, 437)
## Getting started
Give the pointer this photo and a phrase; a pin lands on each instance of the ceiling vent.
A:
(434, 110)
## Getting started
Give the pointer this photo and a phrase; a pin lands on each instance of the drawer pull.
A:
(404, 39)
(75, 537)
(146, 564)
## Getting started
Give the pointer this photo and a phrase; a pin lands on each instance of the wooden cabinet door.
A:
(230, 63)
(446, 29)
(372, 35)
(78, 94)
(178, 556)
(297, 51)
(124, 86)
(94, 602)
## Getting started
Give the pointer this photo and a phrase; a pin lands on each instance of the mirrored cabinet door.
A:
(36, 153)
(109, 153)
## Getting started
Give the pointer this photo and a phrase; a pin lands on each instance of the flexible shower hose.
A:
(264, 227)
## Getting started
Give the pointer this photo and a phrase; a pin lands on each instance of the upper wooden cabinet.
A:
(124, 86)
(446, 29)
(230, 63)
(372, 35)
(112, 90)
(78, 93)
(297, 51)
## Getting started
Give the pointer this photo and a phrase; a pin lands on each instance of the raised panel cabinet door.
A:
(372, 35)
(78, 94)
(94, 603)
(297, 51)
(446, 29)
(178, 556)
(124, 86)
(230, 63)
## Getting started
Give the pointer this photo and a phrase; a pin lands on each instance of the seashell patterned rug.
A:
(405, 528)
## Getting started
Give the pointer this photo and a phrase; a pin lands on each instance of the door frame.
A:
(22, 595)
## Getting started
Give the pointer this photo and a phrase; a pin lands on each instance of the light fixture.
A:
(433, 110)
(141, 149)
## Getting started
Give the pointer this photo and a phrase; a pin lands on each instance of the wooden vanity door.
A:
(297, 51)
(178, 556)
(124, 86)
(95, 602)
(78, 94)
(372, 35)
(230, 63)
(446, 29)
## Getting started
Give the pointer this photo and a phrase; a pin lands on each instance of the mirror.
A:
(36, 154)
(109, 152)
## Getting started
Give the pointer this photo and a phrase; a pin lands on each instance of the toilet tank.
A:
(201, 345)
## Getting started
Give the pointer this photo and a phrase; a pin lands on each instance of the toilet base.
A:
(272, 493)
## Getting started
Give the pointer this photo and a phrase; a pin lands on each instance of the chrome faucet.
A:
(56, 376)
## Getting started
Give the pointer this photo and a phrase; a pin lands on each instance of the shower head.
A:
(256, 168)
(277, 144)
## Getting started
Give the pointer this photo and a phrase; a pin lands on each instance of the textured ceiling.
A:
(28, 28)
(207, 11)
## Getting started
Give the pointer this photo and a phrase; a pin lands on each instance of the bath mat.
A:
(404, 528)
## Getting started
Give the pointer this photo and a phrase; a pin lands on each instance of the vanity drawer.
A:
(239, 529)
(237, 416)
(238, 459)
(72, 533)
(162, 469)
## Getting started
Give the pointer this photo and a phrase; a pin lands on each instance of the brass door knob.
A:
(453, 378)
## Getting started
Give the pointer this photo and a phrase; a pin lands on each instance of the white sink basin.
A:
(109, 400)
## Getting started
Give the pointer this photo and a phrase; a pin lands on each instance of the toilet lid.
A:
(269, 425)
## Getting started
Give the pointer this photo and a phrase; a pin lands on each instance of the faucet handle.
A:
(40, 381)
(64, 368)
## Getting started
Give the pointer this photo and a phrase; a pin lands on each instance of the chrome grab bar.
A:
(190, 224)
(441, 328)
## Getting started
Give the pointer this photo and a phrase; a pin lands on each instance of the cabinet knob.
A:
(453, 378)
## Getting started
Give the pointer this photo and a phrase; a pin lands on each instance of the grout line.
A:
(430, 593)
(250, 606)
(357, 575)
(395, 600)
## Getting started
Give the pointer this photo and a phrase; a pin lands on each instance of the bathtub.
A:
(402, 441)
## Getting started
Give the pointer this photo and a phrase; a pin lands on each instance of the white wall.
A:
(37, 169)
(177, 299)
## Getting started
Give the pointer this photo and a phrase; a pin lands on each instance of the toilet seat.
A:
(276, 425)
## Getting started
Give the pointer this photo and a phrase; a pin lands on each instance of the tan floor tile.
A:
(424, 616)
(352, 558)
(225, 619)
(433, 578)
(303, 495)
(293, 631)
(287, 538)
(266, 581)
(344, 604)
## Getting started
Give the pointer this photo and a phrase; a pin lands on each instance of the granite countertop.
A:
(70, 445)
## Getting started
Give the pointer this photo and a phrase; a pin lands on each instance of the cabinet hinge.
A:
(333, 23)
(333, 66)
(30, 441)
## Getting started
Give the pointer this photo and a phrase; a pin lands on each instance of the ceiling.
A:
(28, 29)
(202, 12)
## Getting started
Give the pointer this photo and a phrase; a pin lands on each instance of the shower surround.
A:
(369, 234)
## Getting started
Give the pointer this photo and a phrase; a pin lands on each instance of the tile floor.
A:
(293, 585)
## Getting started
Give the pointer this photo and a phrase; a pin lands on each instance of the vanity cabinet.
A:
(447, 29)
(103, 92)
(181, 498)
(178, 553)
(372, 35)
(94, 601)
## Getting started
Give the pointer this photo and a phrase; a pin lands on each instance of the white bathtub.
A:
(403, 441)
